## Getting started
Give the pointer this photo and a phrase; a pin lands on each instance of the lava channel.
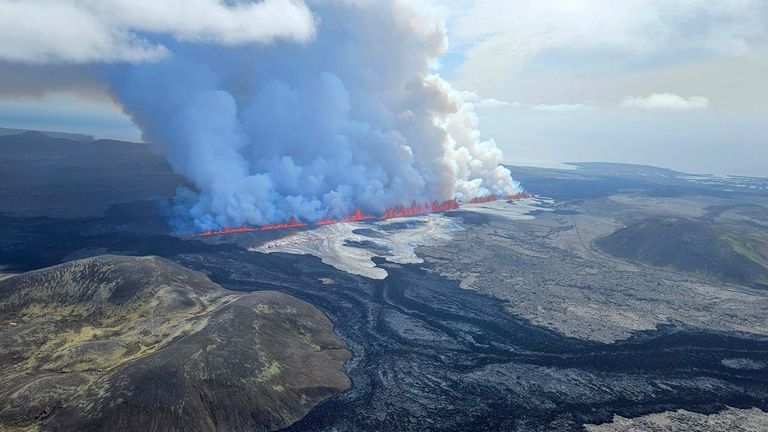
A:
(358, 216)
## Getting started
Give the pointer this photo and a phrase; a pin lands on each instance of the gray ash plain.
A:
(429, 354)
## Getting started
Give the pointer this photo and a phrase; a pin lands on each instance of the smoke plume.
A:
(319, 117)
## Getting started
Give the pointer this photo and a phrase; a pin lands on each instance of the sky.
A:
(673, 83)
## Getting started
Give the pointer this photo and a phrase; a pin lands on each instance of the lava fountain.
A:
(358, 216)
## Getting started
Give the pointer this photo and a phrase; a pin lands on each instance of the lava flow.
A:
(358, 216)
(292, 223)
(418, 209)
(482, 200)
(517, 196)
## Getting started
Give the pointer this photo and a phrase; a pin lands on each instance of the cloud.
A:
(474, 98)
(498, 40)
(88, 31)
(469, 96)
(728, 26)
(563, 107)
(494, 103)
(490, 103)
(665, 101)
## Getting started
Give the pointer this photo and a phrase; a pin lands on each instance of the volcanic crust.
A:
(731, 420)
(125, 343)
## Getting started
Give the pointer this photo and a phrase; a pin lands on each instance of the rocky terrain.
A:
(125, 343)
(605, 267)
(548, 272)
(514, 318)
(731, 420)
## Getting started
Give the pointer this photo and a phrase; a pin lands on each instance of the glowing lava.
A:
(358, 216)
(419, 209)
(482, 200)
(491, 198)
(292, 223)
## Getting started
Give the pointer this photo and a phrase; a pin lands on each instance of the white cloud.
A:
(84, 31)
(563, 107)
(478, 102)
(469, 96)
(634, 25)
(494, 103)
(474, 98)
(665, 101)
(498, 39)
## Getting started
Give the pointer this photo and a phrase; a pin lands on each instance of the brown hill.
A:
(123, 343)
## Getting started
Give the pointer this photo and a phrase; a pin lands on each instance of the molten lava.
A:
(358, 216)
(242, 229)
(292, 223)
(420, 209)
(518, 196)
(482, 200)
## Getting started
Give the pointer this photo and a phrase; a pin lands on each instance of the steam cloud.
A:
(307, 122)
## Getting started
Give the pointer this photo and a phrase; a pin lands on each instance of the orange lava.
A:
(420, 209)
(292, 223)
(358, 216)
(485, 199)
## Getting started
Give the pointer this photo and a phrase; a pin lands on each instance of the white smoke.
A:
(86, 31)
(352, 117)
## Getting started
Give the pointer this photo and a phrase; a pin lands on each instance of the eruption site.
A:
(354, 117)
(283, 113)
(359, 216)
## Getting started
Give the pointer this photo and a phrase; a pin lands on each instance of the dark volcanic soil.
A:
(143, 344)
(428, 355)
(684, 244)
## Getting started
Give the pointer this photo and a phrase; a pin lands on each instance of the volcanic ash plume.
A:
(353, 117)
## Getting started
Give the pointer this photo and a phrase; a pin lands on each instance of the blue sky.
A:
(676, 84)
(65, 112)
